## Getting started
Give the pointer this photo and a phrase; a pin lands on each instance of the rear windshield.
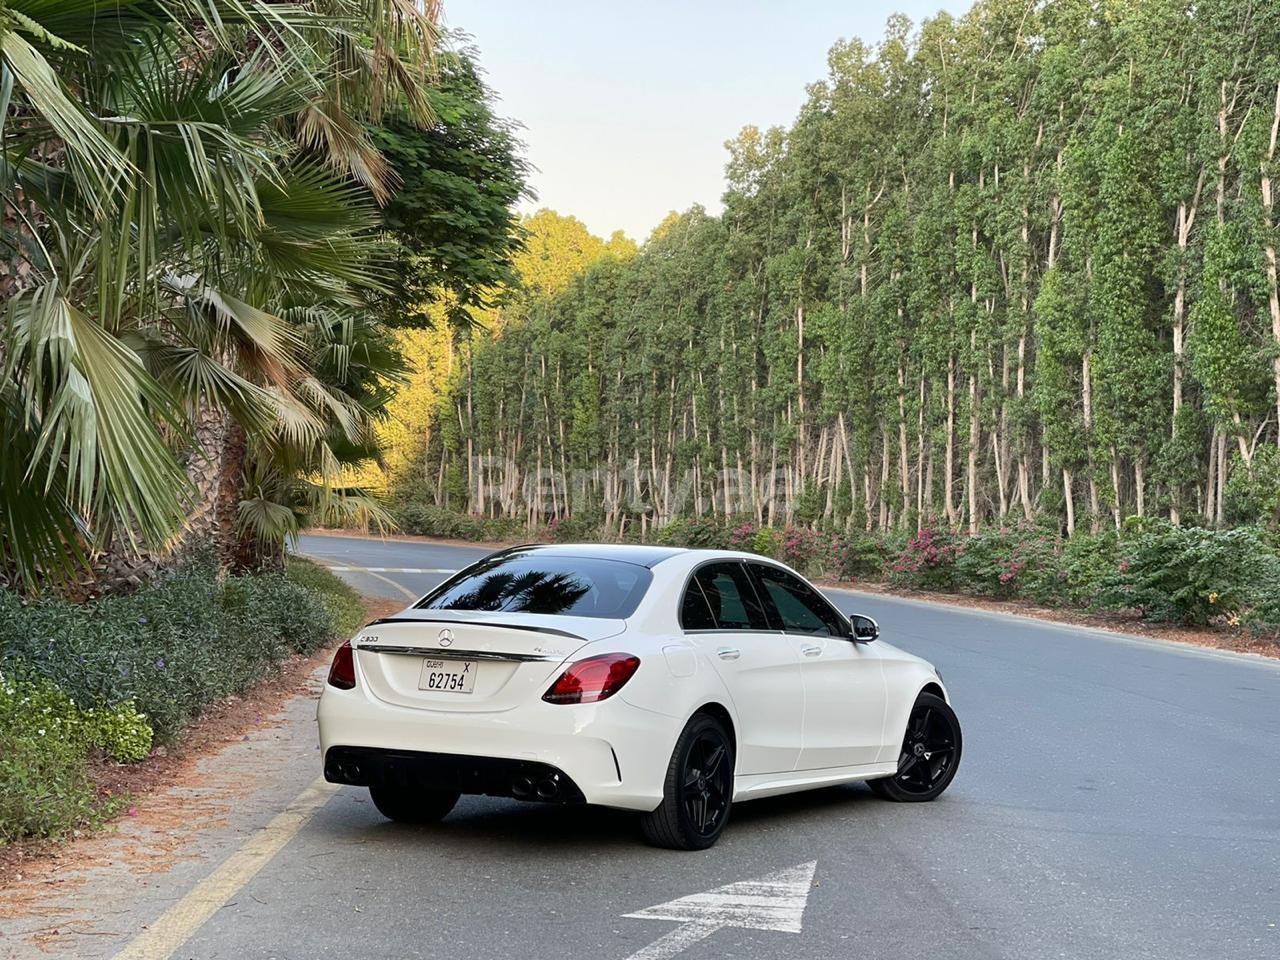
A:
(533, 583)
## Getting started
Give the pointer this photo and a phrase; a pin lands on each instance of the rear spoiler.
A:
(529, 628)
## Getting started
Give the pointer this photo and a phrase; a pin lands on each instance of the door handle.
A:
(728, 653)
(811, 651)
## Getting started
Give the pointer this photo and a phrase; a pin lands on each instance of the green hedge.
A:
(425, 520)
(45, 788)
(107, 676)
(184, 640)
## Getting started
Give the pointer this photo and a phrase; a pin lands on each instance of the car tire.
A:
(930, 754)
(698, 790)
(406, 805)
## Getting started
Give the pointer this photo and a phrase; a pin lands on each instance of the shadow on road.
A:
(568, 831)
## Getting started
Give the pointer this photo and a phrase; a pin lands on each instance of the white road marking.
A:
(773, 902)
(677, 941)
(392, 570)
(378, 573)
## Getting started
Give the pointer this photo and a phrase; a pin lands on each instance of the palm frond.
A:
(89, 151)
(266, 521)
(230, 323)
(295, 424)
(325, 128)
(318, 233)
(194, 375)
(41, 537)
(94, 409)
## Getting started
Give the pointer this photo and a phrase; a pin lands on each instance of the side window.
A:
(730, 597)
(795, 605)
(695, 612)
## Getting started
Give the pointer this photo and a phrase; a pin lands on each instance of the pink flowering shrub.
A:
(1004, 562)
(742, 537)
(807, 550)
(929, 559)
(756, 538)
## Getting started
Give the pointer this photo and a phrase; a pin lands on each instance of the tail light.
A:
(342, 672)
(593, 679)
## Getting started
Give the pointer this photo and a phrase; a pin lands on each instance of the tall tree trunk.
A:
(1140, 485)
(1069, 499)
(1024, 478)
(971, 471)
(949, 469)
(1086, 399)
(904, 467)
(884, 477)
(920, 479)
(1211, 477)
(1115, 487)
(1219, 516)
(1024, 472)
(1186, 218)
(1269, 249)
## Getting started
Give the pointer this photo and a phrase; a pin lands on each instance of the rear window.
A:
(532, 583)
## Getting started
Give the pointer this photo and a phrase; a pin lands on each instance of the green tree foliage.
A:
(193, 255)
(1012, 267)
(452, 212)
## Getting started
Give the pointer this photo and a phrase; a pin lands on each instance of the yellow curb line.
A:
(176, 925)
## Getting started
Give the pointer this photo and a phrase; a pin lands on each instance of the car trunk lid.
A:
(468, 661)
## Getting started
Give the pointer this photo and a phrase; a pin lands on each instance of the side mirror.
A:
(864, 628)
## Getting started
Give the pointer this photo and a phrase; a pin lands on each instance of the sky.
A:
(626, 106)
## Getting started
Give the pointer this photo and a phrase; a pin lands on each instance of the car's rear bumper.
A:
(611, 753)
(492, 776)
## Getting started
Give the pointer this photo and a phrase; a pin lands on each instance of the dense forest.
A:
(1020, 264)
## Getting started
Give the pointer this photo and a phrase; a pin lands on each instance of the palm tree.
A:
(190, 239)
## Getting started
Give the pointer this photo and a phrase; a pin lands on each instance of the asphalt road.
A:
(1118, 798)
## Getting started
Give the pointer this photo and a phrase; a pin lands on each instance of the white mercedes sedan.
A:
(670, 682)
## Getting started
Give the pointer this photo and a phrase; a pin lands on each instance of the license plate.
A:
(448, 676)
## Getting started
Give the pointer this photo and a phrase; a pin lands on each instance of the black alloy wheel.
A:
(708, 781)
(698, 791)
(930, 753)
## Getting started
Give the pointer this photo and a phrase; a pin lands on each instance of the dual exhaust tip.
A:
(544, 788)
(343, 767)
(345, 771)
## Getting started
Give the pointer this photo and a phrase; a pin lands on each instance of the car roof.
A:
(639, 554)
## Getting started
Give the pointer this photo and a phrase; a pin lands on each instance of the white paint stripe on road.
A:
(773, 902)
(365, 570)
(677, 941)
(393, 570)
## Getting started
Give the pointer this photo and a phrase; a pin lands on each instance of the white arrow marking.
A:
(773, 902)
